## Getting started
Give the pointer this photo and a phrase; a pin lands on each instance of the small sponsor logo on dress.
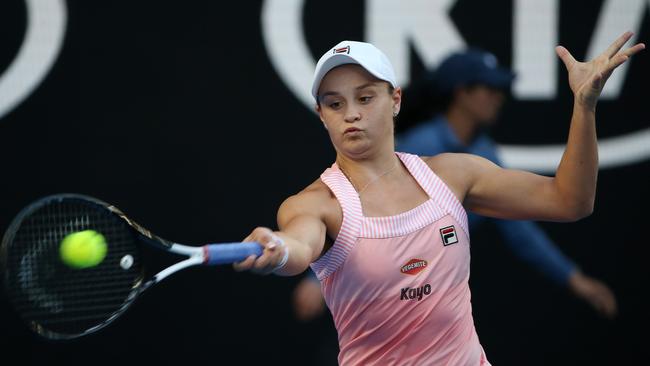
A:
(448, 235)
(417, 293)
(414, 266)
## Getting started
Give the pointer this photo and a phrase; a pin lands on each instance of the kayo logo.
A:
(417, 293)
(46, 22)
(426, 27)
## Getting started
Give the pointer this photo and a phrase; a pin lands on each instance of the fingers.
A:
(596, 293)
(244, 265)
(634, 49)
(616, 59)
(608, 306)
(602, 298)
(273, 252)
(605, 304)
(617, 44)
(611, 53)
(621, 58)
(565, 56)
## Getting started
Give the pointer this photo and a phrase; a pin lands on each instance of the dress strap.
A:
(350, 203)
(435, 188)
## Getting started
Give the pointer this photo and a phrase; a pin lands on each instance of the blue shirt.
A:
(524, 238)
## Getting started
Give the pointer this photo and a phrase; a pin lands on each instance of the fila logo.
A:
(341, 50)
(414, 266)
(448, 235)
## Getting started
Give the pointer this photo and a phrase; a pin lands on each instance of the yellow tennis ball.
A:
(83, 249)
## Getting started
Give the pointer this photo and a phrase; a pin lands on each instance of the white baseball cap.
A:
(351, 52)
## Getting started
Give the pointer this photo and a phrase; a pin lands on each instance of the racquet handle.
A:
(231, 252)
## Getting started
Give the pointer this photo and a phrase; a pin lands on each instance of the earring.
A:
(395, 113)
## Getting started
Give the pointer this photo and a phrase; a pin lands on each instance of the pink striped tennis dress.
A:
(397, 286)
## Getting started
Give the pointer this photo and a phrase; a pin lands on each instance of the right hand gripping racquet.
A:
(60, 302)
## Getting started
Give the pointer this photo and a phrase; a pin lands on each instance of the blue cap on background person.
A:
(470, 67)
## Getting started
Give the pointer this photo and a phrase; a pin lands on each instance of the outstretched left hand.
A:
(587, 79)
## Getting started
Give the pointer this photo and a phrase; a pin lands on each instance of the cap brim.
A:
(499, 78)
(330, 63)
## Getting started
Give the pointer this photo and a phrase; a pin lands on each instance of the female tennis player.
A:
(386, 232)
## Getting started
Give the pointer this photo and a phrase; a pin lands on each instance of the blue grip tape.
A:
(231, 252)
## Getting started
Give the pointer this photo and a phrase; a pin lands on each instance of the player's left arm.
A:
(489, 190)
(492, 191)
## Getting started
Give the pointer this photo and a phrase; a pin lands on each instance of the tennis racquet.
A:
(60, 302)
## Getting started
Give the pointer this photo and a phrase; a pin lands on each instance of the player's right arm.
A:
(303, 230)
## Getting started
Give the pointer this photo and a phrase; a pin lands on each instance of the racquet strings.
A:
(58, 301)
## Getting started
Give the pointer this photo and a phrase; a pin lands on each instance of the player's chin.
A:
(357, 148)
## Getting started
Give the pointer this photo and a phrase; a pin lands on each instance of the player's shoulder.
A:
(313, 199)
(456, 170)
(317, 191)
(453, 161)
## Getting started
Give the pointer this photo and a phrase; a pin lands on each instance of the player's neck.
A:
(362, 173)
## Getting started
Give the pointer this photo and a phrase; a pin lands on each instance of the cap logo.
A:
(414, 266)
(341, 50)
